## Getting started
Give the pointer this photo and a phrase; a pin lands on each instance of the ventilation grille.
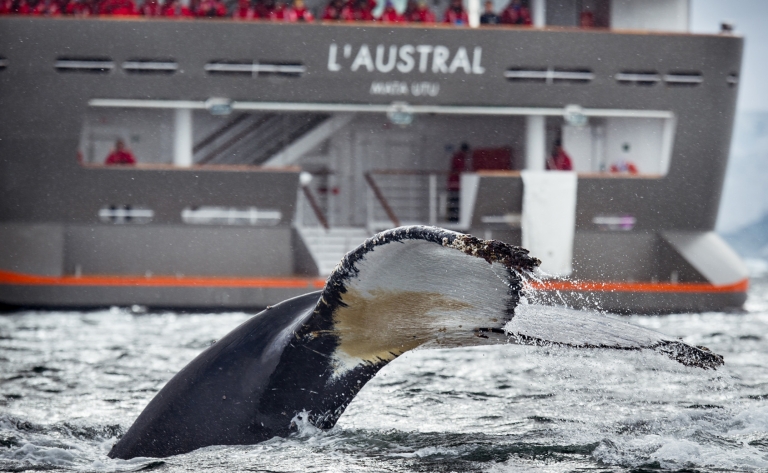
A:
(684, 79)
(646, 78)
(94, 65)
(549, 75)
(3, 63)
(240, 68)
(150, 66)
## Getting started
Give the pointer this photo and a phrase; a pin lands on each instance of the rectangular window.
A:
(211, 215)
(91, 65)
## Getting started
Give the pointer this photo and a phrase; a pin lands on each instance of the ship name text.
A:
(405, 59)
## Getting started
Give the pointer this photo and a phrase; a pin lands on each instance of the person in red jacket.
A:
(211, 9)
(244, 11)
(333, 11)
(19, 7)
(283, 12)
(559, 159)
(118, 8)
(390, 15)
(77, 8)
(516, 14)
(359, 10)
(419, 12)
(150, 8)
(175, 9)
(455, 14)
(301, 11)
(46, 8)
(120, 155)
(264, 8)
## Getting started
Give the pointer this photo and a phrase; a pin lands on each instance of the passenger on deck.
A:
(150, 8)
(302, 12)
(244, 11)
(460, 162)
(283, 12)
(78, 8)
(419, 12)
(559, 159)
(624, 167)
(455, 14)
(586, 19)
(390, 15)
(333, 11)
(264, 8)
(359, 10)
(120, 155)
(175, 9)
(118, 8)
(47, 8)
(211, 9)
(516, 14)
(489, 17)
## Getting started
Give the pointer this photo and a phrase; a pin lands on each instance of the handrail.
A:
(409, 172)
(315, 207)
(250, 129)
(380, 197)
(220, 132)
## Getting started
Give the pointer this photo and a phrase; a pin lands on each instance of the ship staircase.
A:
(328, 246)
(256, 138)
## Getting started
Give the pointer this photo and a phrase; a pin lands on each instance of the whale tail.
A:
(401, 289)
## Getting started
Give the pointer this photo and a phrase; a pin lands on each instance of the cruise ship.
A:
(266, 151)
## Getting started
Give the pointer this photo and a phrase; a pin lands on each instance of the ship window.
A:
(97, 65)
(121, 214)
(254, 68)
(549, 75)
(211, 215)
(284, 69)
(3, 63)
(638, 78)
(733, 79)
(150, 66)
(683, 79)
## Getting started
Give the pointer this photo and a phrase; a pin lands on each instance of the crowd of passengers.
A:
(417, 11)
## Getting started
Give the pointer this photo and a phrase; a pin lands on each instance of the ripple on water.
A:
(72, 382)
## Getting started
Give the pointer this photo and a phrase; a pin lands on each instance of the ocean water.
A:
(72, 382)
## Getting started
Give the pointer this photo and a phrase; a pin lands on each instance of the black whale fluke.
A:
(399, 290)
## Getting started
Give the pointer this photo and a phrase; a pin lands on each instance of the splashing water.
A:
(73, 382)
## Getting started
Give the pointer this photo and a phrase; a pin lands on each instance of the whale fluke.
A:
(558, 326)
(401, 289)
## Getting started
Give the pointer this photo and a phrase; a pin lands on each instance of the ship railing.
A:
(398, 197)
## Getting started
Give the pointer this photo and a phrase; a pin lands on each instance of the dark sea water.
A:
(72, 382)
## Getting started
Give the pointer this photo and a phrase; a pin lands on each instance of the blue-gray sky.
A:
(751, 20)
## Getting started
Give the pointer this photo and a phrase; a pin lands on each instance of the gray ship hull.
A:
(59, 250)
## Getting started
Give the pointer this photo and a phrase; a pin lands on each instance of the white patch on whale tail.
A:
(425, 286)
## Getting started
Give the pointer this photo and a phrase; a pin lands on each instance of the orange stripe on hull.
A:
(591, 286)
(20, 279)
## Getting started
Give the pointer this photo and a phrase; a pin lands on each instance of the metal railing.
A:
(396, 197)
